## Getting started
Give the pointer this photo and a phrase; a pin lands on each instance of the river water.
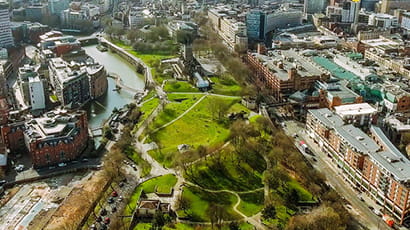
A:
(100, 110)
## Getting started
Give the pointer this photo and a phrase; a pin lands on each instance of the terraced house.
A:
(371, 164)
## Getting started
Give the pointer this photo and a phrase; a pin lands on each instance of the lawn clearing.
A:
(227, 172)
(225, 86)
(163, 183)
(197, 127)
(199, 201)
(179, 86)
(147, 108)
(304, 194)
(251, 203)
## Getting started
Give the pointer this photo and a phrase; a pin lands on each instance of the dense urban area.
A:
(185, 114)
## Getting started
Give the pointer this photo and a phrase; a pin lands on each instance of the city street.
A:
(334, 175)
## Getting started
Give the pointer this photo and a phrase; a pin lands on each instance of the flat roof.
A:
(391, 159)
(354, 109)
(357, 139)
(289, 59)
(327, 118)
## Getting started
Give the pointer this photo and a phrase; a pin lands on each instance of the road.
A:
(334, 177)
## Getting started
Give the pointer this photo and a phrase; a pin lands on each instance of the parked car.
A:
(113, 209)
(2, 182)
(110, 200)
(19, 168)
(84, 160)
(103, 212)
(62, 165)
(114, 194)
(107, 220)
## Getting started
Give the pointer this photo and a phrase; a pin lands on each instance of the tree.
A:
(218, 108)
(292, 198)
(183, 203)
(185, 37)
(269, 212)
(321, 218)
(159, 220)
(234, 226)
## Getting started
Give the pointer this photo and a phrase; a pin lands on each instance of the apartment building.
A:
(232, 31)
(6, 38)
(285, 72)
(371, 164)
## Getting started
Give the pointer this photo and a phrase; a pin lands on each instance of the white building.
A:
(359, 114)
(383, 20)
(36, 89)
(6, 38)
(136, 17)
(405, 21)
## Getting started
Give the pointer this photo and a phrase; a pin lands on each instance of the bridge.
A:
(90, 40)
(119, 83)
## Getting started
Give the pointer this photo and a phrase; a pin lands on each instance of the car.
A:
(99, 219)
(93, 227)
(110, 200)
(103, 227)
(62, 164)
(314, 159)
(121, 184)
(2, 182)
(107, 220)
(361, 198)
(113, 209)
(103, 212)
(371, 208)
(19, 168)
(295, 135)
(114, 194)
(84, 160)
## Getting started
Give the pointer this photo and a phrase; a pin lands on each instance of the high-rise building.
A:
(57, 6)
(315, 6)
(255, 25)
(369, 5)
(6, 37)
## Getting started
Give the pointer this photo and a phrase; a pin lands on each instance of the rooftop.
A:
(357, 139)
(279, 62)
(391, 159)
(327, 118)
(354, 109)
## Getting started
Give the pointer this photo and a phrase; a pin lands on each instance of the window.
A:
(48, 160)
(62, 155)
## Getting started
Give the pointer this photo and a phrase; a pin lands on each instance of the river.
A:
(100, 110)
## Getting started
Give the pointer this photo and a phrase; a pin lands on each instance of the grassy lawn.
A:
(147, 108)
(251, 203)
(179, 104)
(229, 173)
(200, 200)
(150, 94)
(143, 164)
(198, 127)
(163, 183)
(225, 86)
(143, 226)
(304, 194)
(283, 215)
(179, 86)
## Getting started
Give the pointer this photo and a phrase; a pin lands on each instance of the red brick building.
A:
(57, 137)
(284, 72)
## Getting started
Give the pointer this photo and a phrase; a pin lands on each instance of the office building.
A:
(255, 25)
(386, 21)
(57, 6)
(36, 12)
(388, 6)
(314, 6)
(6, 37)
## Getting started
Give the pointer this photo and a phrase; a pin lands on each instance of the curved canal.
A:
(100, 110)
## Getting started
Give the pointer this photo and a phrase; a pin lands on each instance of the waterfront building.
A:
(70, 83)
(6, 37)
(58, 136)
(98, 79)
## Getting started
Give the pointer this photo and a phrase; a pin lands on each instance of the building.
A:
(369, 5)
(233, 32)
(148, 208)
(335, 93)
(255, 25)
(360, 114)
(314, 6)
(370, 164)
(135, 17)
(71, 84)
(395, 125)
(36, 12)
(32, 87)
(57, 137)
(6, 37)
(383, 20)
(98, 79)
(388, 6)
(59, 44)
(284, 72)
(405, 21)
(55, 7)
